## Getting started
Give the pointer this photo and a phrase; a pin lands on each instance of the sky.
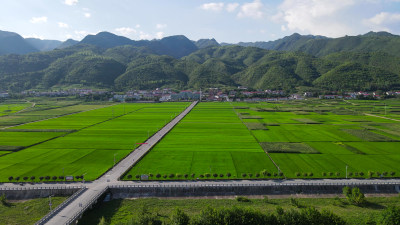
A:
(226, 21)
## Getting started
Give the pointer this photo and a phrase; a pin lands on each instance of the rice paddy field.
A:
(301, 139)
(83, 143)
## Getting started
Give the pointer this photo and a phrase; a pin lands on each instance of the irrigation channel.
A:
(85, 195)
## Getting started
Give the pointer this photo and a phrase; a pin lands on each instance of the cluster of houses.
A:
(61, 93)
(210, 94)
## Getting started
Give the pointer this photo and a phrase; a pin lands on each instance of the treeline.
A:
(246, 216)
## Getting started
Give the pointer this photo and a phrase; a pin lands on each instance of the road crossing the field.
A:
(95, 189)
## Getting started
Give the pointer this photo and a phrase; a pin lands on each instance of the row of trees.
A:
(261, 174)
(41, 178)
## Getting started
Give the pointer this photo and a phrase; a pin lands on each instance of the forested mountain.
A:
(43, 45)
(113, 62)
(321, 46)
(13, 43)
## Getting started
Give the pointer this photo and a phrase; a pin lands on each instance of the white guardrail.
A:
(60, 207)
(86, 206)
(252, 185)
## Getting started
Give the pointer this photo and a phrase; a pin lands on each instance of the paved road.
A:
(99, 186)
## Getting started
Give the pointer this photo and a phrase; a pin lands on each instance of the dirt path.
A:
(382, 117)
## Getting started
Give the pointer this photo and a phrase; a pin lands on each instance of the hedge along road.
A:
(73, 210)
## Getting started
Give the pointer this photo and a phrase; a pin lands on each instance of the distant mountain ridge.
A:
(321, 46)
(109, 61)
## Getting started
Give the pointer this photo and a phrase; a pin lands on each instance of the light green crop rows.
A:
(95, 137)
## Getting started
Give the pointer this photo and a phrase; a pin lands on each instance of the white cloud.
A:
(385, 18)
(143, 35)
(159, 35)
(137, 26)
(87, 15)
(318, 17)
(70, 2)
(231, 7)
(213, 6)
(126, 31)
(252, 10)
(63, 25)
(161, 26)
(42, 19)
(33, 36)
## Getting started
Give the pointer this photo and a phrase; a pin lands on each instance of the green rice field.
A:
(83, 143)
(301, 139)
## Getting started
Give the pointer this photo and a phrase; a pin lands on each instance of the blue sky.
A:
(226, 21)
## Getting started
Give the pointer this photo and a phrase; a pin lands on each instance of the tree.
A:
(207, 175)
(215, 175)
(324, 174)
(33, 178)
(297, 174)
(221, 175)
(54, 177)
(186, 175)
(179, 218)
(354, 195)
(61, 177)
(371, 174)
(158, 175)
(392, 173)
(228, 174)
(10, 178)
(129, 176)
(264, 173)
(244, 174)
(137, 176)
(310, 174)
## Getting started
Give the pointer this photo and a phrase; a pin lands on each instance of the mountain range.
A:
(293, 63)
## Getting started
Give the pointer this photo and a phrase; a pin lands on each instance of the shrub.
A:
(76, 177)
(228, 174)
(350, 174)
(41, 178)
(310, 174)
(48, 177)
(330, 174)
(54, 177)
(257, 175)
(10, 178)
(280, 174)
(294, 202)
(165, 176)
(158, 175)
(242, 199)
(361, 173)
(392, 173)
(151, 175)
(337, 174)
(324, 174)
(268, 174)
(16, 178)
(378, 174)
(244, 174)
(356, 174)
(61, 177)
(179, 218)
(129, 176)
(250, 174)
(201, 176)
(186, 175)
(215, 175)
(25, 178)
(207, 175)
(305, 174)
(171, 175)
(371, 174)
(297, 174)
(178, 175)
(385, 173)
(3, 200)
(354, 196)
(275, 174)
(193, 175)
(137, 176)
(221, 175)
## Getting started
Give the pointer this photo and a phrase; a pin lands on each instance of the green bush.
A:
(390, 216)
(242, 199)
(354, 196)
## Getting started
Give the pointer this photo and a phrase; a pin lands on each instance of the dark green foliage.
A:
(3, 200)
(390, 215)
(242, 199)
(179, 218)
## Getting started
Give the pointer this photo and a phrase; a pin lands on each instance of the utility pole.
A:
(50, 204)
